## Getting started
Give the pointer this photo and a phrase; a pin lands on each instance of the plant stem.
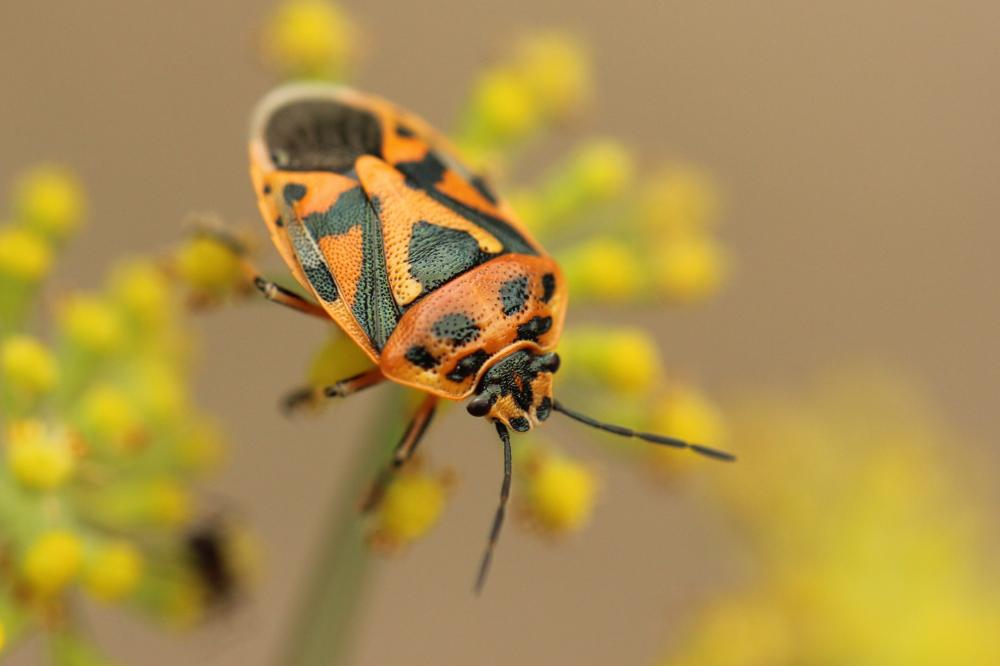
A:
(322, 632)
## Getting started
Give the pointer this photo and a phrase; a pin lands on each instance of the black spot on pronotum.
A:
(548, 287)
(293, 192)
(419, 356)
(514, 295)
(544, 408)
(405, 131)
(520, 424)
(456, 328)
(438, 254)
(534, 328)
(279, 221)
(423, 173)
(267, 189)
(468, 366)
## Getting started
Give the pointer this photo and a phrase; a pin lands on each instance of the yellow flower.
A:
(339, 358)
(603, 168)
(27, 365)
(620, 360)
(309, 39)
(168, 502)
(109, 413)
(503, 105)
(690, 267)
(560, 493)
(602, 268)
(679, 199)
(412, 505)
(556, 69)
(91, 323)
(203, 447)
(52, 562)
(209, 266)
(50, 200)
(38, 457)
(23, 255)
(113, 570)
(143, 291)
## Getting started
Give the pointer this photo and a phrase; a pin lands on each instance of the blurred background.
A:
(855, 147)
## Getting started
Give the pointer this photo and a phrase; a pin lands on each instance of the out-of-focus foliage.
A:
(867, 550)
(100, 440)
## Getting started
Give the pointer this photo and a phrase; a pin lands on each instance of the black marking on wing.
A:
(311, 259)
(321, 135)
(293, 192)
(374, 306)
(534, 328)
(426, 173)
(456, 328)
(480, 184)
(514, 295)
(438, 254)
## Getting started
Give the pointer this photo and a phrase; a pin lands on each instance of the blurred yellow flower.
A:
(603, 168)
(209, 266)
(603, 268)
(52, 562)
(679, 199)
(3, 637)
(91, 323)
(560, 492)
(339, 357)
(556, 68)
(411, 507)
(203, 447)
(622, 360)
(504, 106)
(309, 39)
(39, 457)
(27, 365)
(23, 255)
(50, 200)
(169, 503)
(687, 414)
(109, 413)
(142, 289)
(690, 267)
(113, 570)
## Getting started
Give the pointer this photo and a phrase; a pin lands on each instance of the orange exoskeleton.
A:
(417, 259)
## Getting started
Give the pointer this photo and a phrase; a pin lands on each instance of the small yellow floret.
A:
(560, 493)
(412, 505)
(169, 502)
(113, 571)
(678, 200)
(51, 200)
(504, 106)
(203, 447)
(556, 68)
(690, 267)
(3, 637)
(91, 323)
(208, 266)
(143, 291)
(603, 168)
(23, 255)
(602, 268)
(309, 39)
(109, 413)
(27, 365)
(38, 457)
(52, 562)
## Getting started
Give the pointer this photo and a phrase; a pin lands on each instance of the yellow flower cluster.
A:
(868, 550)
(411, 507)
(558, 493)
(309, 39)
(98, 436)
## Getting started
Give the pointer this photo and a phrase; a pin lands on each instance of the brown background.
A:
(858, 147)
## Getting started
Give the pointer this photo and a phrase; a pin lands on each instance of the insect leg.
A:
(278, 294)
(342, 389)
(484, 566)
(403, 452)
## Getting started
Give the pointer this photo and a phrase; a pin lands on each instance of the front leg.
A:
(310, 395)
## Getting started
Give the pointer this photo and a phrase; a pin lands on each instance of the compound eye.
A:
(549, 362)
(480, 405)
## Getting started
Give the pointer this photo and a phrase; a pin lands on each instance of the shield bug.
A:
(418, 260)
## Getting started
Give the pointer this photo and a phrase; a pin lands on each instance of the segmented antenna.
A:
(644, 436)
(484, 566)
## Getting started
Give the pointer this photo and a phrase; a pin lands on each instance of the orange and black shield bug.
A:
(418, 260)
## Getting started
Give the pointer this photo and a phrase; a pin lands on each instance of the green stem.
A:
(322, 632)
